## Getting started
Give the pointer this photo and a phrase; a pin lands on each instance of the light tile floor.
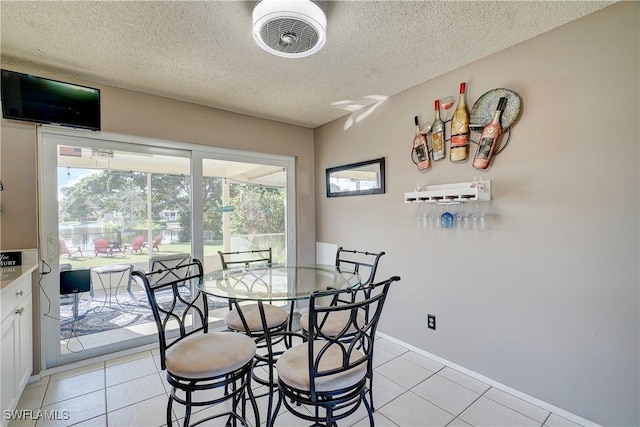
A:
(409, 390)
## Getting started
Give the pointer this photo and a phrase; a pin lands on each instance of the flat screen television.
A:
(37, 99)
(74, 281)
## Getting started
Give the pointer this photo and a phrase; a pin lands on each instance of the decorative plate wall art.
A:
(485, 106)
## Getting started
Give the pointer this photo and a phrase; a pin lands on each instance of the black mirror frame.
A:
(379, 190)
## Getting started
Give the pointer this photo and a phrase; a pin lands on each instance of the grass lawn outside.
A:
(141, 259)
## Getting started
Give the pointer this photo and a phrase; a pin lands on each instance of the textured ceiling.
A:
(203, 51)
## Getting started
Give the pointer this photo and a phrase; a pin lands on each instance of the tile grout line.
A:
(106, 408)
(515, 410)
(42, 400)
(444, 409)
(405, 389)
(574, 418)
(471, 404)
(399, 395)
(500, 403)
(505, 406)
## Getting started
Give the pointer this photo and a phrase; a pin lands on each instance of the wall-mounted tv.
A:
(37, 99)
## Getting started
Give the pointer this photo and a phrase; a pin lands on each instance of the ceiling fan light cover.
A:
(289, 28)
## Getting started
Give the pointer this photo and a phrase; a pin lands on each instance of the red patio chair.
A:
(65, 250)
(101, 246)
(156, 242)
(136, 246)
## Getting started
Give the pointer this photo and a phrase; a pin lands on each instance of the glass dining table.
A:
(278, 285)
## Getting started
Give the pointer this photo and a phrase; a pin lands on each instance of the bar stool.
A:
(194, 358)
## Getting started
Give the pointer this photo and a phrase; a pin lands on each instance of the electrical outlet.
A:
(431, 321)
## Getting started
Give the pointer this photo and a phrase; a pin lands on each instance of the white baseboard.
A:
(534, 401)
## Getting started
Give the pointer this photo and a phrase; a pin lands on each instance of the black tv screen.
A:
(37, 99)
(74, 281)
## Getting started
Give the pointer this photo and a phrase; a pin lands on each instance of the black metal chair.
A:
(167, 264)
(256, 320)
(329, 374)
(194, 358)
(246, 259)
(248, 320)
(362, 262)
(366, 265)
(348, 260)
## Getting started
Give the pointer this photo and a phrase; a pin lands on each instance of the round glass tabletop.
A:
(276, 283)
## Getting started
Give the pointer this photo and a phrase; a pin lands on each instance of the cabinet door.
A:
(8, 375)
(24, 345)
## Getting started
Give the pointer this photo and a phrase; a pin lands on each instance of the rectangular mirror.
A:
(356, 179)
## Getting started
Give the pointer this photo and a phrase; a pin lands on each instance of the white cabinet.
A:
(24, 347)
(16, 363)
(7, 373)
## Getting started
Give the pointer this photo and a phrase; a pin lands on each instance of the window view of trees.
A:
(121, 197)
(105, 192)
(260, 210)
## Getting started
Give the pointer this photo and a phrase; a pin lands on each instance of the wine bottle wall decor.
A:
(492, 134)
(460, 129)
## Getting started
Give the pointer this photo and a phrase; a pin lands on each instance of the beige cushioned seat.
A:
(274, 315)
(293, 367)
(334, 323)
(209, 355)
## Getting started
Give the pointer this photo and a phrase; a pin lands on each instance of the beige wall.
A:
(547, 300)
(18, 162)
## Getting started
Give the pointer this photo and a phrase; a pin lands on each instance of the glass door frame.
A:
(48, 217)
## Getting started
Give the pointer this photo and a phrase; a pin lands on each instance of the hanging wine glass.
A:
(462, 218)
(446, 218)
(435, 216)
(478, 217)
(422, 218)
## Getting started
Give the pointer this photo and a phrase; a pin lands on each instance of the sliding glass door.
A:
(107, 209)
(245, 208)
(246, 205)
(112, 204)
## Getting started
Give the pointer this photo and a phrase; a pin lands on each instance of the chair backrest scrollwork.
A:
(356, 338)
(246, 259)
(173, 309)
(362, 262)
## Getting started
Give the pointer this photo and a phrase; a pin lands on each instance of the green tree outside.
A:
(257, 209)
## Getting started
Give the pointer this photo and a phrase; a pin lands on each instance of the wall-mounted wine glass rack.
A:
(451, 193)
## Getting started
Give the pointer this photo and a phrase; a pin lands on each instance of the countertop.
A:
(29, 263)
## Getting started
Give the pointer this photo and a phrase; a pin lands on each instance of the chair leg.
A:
(252, 399)
(243, 401)
(169, 407)
(270, 397)
(232, 421)
(373, 409)
(187, 410)
(369, 408)
(272, 420)
(327, 415)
